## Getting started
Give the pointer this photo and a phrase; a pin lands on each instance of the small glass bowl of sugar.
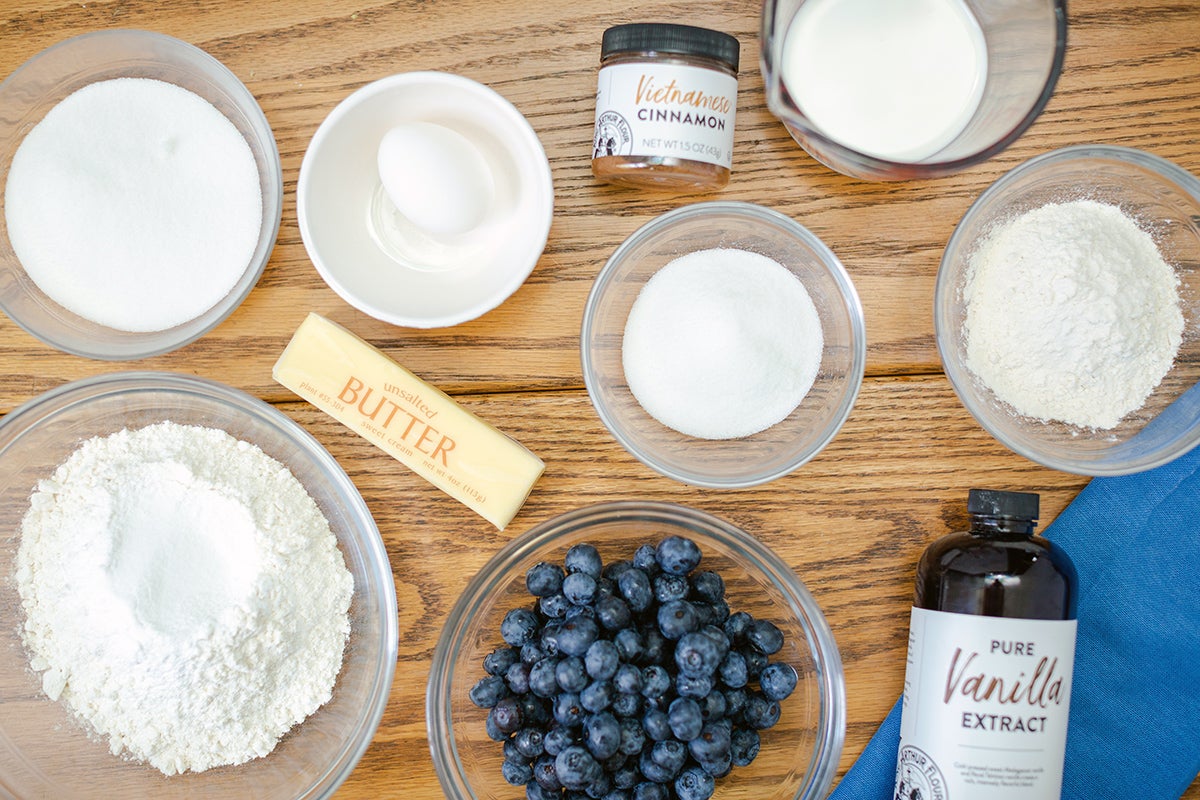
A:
(723, 344)
(142, 194)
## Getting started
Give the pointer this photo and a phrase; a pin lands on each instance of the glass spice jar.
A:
(665, 105)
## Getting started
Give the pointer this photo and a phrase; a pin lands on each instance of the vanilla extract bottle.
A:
(991, 646)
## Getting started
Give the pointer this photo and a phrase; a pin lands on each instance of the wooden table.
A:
(853, 521)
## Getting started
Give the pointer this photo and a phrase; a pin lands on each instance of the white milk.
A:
(897, 79)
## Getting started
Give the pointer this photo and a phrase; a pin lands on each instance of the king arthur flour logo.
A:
(918, 776)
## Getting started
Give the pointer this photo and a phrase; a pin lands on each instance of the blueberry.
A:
(712, 746)
(613, 571)
(595, 790)
(647, 790)
(545, 774)
(670, 587)
(488, 691)
(627, 776)
(602, 659)
(677, 555)
(492, 729)
(686, 686)
(534, 710)
(627, 705)
(651, 769)
(602, 735)
(671, 754)
(718, 635)
(713, 706)
(542, 679)
(530, 742)
(764, 637)
(677, 618)
(654, 646)
(744, 745)
(613, 612)
(735, 701)
(574, 611)
(553, 607)
(644, 558)
(694, 784)
(632, 737)
(685, 719)
(575, 767)
(568, 711)
(656, 724)
(737, 626)
(656, 681)
(511, 753)
(534, 791)
(498, 661)
(628, 679)
(571, 674)
(506, 715)
(597, 696)
(760, 713)
(583, 558)
(544, 579)
(557, 739)
(777, 681)
(629, 644)
(532, 652)
(733, 670)
(516, 774)
(579, 588)
(756, 662)
(697, 655)
(519, 627)
(634, 585)
(707, 586)
(576, 635)
(517, 678)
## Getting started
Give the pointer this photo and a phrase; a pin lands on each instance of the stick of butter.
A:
(412, 421)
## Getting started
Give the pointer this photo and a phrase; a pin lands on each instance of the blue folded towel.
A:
(1135, 700)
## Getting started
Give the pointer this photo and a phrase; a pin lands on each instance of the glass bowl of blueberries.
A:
(636, 650)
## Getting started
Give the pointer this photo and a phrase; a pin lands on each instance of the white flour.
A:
(184, 596)
(1072, 314)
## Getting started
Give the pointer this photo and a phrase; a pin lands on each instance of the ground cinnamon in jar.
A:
(665, 105)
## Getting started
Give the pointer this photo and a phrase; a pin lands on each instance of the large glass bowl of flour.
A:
(44, 751)
(723, 344)
(140, 194)
(1067, 310)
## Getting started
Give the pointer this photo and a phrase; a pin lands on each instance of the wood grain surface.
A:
(851, 522)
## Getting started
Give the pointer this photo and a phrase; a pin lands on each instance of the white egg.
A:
(436, 177)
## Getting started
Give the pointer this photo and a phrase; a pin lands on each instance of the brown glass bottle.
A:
(998, 568)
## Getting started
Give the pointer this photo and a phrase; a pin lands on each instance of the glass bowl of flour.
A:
(198, 601)
(723, 344)
(142, 194)
(1067, 310)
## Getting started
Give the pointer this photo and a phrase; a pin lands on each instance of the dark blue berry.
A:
(613, 612)
(635, 587)
(647, 790)
(694, 784)
(671, 754)
(685, 719)
(627, 705)
(712, 706)
(545, 774)
(760, 713)
(579, 588)
(516, 774)
(656, 724)
(651, 769)
(677, 555)
(733, 670)
(744, 744)
(571, 674)
(568, 711)
(654, 646)
(628, 679)
(697, 655)
(720, 612)
(532, 652)
(517, 677)
(602, 735)
(557, 739)
(602, 659)
(534, 710)
(629, 644)
(735, 701)
(613, 571)
(576, 635)
(712, 746)
(777, 681)
(718, 635)
(598, 788)
(707, 586)
(633, 737)
(677, 618)
(530, 742)
(670, 587)
(756, 662)
(656, 681)
(488, 691)
(498, 661)
(554, 607)
(548, 638)
(627, 776)
(597, 696)
(511, 753)
(575, 767)
(542, 680)
(765, 637)
(736, 627)
(583, 558)
(519, 627)
(644, 559)
(687, 686)
(544, 579)
(534, 791)
(506, 715)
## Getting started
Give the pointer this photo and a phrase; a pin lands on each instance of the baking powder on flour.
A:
(1071, 314)
(184, 596)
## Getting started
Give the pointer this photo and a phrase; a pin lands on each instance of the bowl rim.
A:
(868, 167)
(536, 170)
(960, 376)
(829, 260)
(271, 177)
(29, 414)
(827, 664)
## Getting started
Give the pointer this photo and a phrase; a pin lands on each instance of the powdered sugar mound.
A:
(1072, 314)
(184, 596)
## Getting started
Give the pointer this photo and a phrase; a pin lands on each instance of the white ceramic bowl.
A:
(35, 87)
(391, 269)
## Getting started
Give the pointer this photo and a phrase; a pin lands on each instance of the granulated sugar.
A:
(184, 596)
(135, 204)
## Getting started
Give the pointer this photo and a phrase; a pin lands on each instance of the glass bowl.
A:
(799, 756)
(39, 84)
(1025, 41)
(770, 453)
(1165, 202)
(43, 751)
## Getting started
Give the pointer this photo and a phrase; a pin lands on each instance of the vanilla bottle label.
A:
(985, 707)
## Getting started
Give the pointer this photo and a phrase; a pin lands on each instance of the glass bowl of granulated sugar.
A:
(197, 602)
(142, 194)
(1067, 310)
(723, 344)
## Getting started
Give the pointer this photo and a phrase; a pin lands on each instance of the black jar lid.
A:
(665, 37)
(1003, 505)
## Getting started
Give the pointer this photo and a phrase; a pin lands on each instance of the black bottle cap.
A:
(666, 37)
(1004, 505)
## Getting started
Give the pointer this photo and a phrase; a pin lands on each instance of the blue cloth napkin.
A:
(1135, 700)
